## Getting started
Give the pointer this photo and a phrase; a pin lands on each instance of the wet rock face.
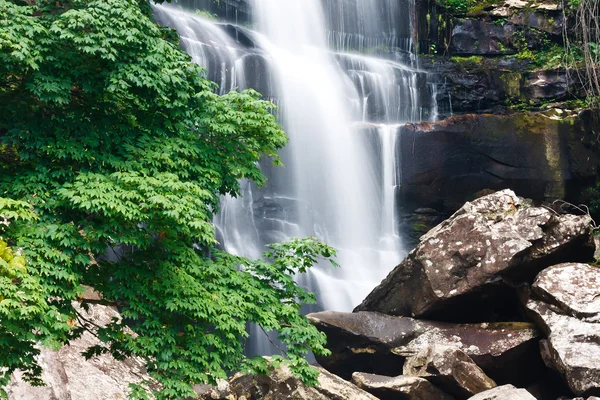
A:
(485, 35)
(506, 392)
(565, 301)
(477, 37)
(447, 163)
(461, 268)
(399, 387)
(483, 85)
(236, 11)
(488, 35)
(450, 369)
(69, 376)
(377, 343)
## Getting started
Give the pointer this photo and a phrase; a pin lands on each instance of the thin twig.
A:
(582, 208)
(283, 352)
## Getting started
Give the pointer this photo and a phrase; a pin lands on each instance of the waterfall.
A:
(345, 77)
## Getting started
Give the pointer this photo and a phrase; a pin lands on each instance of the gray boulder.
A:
(565, 301)
(449, 369)
(506, 392)
(573, 288)
(465, 269)
(377, 343)
(399, 387)
(69, 376)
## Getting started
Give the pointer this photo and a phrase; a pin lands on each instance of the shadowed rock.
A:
(465, 269)
(399, 387)
(450, 369)
(377, 343)
(565, 301)
(446, 163)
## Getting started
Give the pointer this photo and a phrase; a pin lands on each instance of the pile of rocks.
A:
(494, 303)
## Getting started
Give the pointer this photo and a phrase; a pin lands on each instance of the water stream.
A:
(344, 76)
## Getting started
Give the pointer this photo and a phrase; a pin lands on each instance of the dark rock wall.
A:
(540, 156)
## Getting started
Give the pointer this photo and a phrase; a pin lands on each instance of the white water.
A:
(341, 111)
(331, 168)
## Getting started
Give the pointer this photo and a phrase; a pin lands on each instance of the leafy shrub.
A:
(116, 139)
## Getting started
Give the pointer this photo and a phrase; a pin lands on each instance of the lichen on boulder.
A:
(465, 269)
(565, 301)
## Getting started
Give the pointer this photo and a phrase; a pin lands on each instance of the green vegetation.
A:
(584, 44)
(109, 137)
(469, 64)
(465, 6)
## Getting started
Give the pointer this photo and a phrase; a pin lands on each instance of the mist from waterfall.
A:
(341, 108)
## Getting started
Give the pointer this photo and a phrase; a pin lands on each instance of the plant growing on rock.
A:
(112, 139)
(582, 51)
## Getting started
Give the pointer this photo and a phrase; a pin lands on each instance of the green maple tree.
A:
(111, 136)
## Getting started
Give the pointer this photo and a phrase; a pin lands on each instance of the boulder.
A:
(573, 288)
(281, 384)
(466, 268)
(69, 376)
(506, 392)
(565, 301)
(450, 369)
(377, 343)
(399, 387)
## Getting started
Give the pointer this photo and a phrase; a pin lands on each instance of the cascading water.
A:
(341, 108)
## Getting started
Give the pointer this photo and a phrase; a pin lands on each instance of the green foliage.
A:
(574, 3)
(469, 64)
(465, 6)
(116, 139)
(456, 5)
(23, 307)
(582, 49)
